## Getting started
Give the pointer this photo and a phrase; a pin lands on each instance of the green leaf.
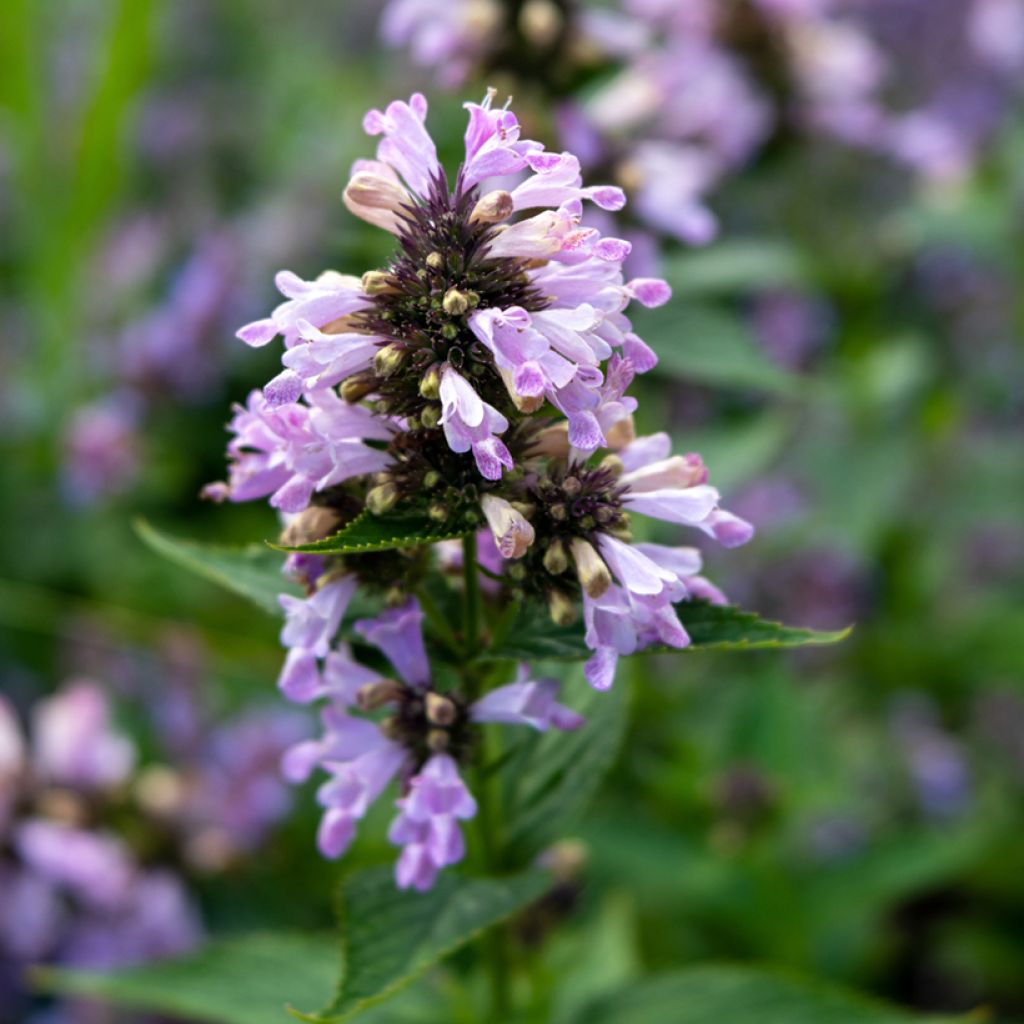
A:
(559, 774)
(710, 346)
(739, 995)
(246, 980)
(252, 572)
(391, 937)
(711, 627)
(368, 532)
(734, 267)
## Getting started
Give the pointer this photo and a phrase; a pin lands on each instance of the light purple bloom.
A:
(398, 632)
(526, 702)
(471, 424)
(427, 828)
(96, 867)
(102, 450)
(74, 742)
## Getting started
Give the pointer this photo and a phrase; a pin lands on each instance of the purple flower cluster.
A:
(70, 889)
(480, 377)
(690, 91)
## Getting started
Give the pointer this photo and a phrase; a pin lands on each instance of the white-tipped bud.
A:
(511, 529)
(540, 21)
(376, 282)
(389, 359)
(381, 499)
(593, 574)
(492, 208)
(376, 199)
(354, 389)
(441, 710)
(160, 791)
(377, 695)
(430, 383)
(619, 434)
(553, 442)
(310, 525)
(455, 302)
(430, 417)
(561, 609)
(556, 561)
(613, 464)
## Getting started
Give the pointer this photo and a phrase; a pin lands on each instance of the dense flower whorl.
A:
(478, 380)
(422, 742)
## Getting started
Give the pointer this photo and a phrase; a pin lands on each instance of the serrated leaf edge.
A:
(321, 547)
(406, 980)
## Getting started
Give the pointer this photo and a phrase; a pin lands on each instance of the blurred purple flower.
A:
(101, 450)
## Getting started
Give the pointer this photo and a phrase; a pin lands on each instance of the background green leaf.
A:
(739, 995)
(734, 266)
(711, 627)
(390, 937)
(245, 980)
(557, 775)
(708, 345)
(253, 572)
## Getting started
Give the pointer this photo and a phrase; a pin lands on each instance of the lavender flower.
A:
(462, 331)
(472, 380)
(421, 744)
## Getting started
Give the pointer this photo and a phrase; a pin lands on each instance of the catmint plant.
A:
(474, 387)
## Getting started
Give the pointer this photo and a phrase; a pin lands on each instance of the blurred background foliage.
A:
(847, 356)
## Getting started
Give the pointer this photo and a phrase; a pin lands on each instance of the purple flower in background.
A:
(101, 450)
(935, 759)
(74, 742)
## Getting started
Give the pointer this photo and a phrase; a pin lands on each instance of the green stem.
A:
(495, 946)
(471, 598)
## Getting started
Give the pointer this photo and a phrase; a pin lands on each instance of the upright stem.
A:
(494, 943)
(471, 599)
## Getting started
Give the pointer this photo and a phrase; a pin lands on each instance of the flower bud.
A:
(492, 208)
(430, 417)
(613, 464)
(389, 359)
(435, 261)
(376, 199)
(430, 383)
(310, 525)
(438, 513)
(376, 695)
(354, 389)
(552, 441)
(381, 499)
(512, 531)
(593, 574)
(440, 709)
(556, 561)
(431, 479)
(438, 740)
(540, 22)
(571, 485)
(455, 302)
(619, 434)
(561, 609)
(376, 282)
(160, 791)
